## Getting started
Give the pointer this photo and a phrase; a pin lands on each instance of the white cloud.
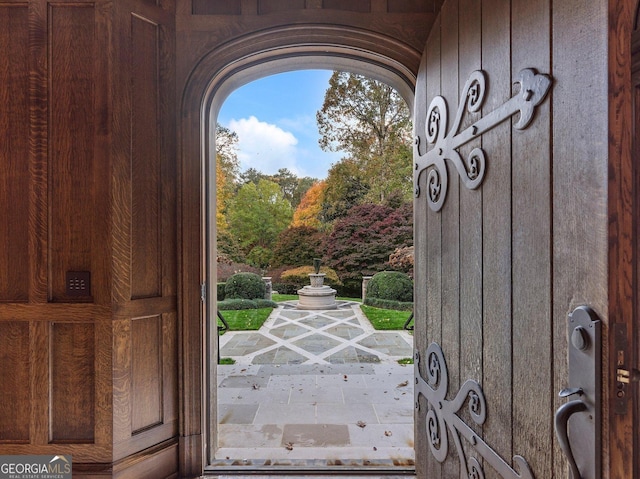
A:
(264, 146)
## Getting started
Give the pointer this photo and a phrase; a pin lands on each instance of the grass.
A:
(252, 319)
(405, 361)
(385, 319)
(284, 297)
(245, 319)
(227, 361)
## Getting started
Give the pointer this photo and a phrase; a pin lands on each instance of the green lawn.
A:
(384, 319)
(245, 319)
(252, 319)
(284, 297)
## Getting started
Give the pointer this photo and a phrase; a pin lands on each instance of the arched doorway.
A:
(216, 76)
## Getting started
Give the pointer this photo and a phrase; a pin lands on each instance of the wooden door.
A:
(505, 254)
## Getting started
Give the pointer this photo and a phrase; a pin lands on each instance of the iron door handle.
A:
(563, 414)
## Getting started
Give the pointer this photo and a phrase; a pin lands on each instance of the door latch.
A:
(579, 438)
(627, 376)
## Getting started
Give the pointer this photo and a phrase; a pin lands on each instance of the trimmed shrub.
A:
(220, 291)
(390, 285)
(286, 288)
(234, 304)
(226, 269)
(300, 275)
(388, 304)
(244, 286)
(265, 303)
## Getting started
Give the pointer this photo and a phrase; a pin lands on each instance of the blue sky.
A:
(275, 119)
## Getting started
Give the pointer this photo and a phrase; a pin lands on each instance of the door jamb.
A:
(216, 76)
(623, 199)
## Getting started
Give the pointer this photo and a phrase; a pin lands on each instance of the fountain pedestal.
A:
(317, 295)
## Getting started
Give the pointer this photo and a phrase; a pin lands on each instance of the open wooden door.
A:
(510, 234)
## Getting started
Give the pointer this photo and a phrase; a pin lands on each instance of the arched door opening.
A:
(216, 77)
(313, 385)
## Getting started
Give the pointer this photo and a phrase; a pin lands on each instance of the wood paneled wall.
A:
(55, 208)
(500, 267)
(88, 276)
(145, 329)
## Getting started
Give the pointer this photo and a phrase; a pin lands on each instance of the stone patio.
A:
(319, 388)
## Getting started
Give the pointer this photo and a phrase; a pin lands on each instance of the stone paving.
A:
(315, 388)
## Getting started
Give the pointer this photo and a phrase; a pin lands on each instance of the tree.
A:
(287, 181)
(227, 168)
(362, 241)
(293, 188)
(345, 188)
(257, 214)
(308, 211)
(297, 246)
(371, 122)
(302, 187)
(251, 175)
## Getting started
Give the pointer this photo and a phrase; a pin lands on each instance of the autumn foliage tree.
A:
(361, 242)
(297, 246)
(308, 211)
(371, 122)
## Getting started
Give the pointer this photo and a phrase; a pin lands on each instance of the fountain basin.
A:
(317, 297)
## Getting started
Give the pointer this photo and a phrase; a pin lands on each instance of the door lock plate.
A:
(582, 434)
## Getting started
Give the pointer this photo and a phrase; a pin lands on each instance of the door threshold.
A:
(311, 467)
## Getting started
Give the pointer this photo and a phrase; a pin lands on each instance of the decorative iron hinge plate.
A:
(442, 417)
(533, 90)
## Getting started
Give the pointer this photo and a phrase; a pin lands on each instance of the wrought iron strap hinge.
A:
(442, 417)
(533, 90)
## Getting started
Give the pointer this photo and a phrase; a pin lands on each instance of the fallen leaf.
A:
(361, 424)
(375, 448)
(255, 386)
(289, 446)
(345, 378)
(388, 433)
(403, 384)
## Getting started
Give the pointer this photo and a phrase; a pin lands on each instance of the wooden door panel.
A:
(496, 261)
(531, 239)
(496, 230)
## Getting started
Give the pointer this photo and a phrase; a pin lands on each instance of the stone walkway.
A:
(315, 389)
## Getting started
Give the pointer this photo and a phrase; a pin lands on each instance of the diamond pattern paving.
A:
(316, 387)
(345, 331)
(316, 343)
(281, 355)
(287, 337)
(288, 331)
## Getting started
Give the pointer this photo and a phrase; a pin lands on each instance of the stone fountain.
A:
(317, 295)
